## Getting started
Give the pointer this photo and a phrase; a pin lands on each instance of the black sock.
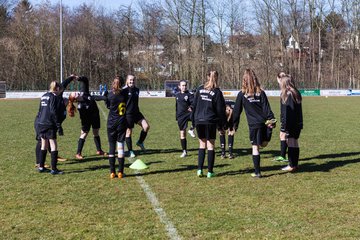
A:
(291, 156)
(80, 145)
(222, 144)
(142, 136)
(97, 143)
(112, 164)
(283, 147)
(38, 152)
(129, 143)
(230, 143)
(121, 164)
(42, 158)
(54, 156)
(296, 156)
(256, 161)
(201, 158)
(211, 160)
(183, 144)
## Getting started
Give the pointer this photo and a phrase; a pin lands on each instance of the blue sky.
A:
(107, 4)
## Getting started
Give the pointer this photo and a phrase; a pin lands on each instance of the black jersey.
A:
(257, 109)
(291, 114)
(209, 107)
(183, 102)
(132, 105)
(116, 103)
(86, 104)
(60, 100)
(230, 119)
(49, 111)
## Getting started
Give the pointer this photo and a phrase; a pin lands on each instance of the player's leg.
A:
(182, 123)
(96, 128)
(211, 132)
(222, 143)
(121, 150)
(143, 134)
(256, 141)
(112, 148)
(54, 156)
(231, 134)
(83, 134)
(201, 151)
(128, 142)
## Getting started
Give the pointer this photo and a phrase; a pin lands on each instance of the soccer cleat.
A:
(231, 156)
(210, 175)
(42, 170)
(199, 173)
(280, 159)
(61, 159)
(270, 121)
(184, 154)
(289, 168)
(132, 154)
(101, 153)
(141, 145)
(222, 156)
(38, 165)
(112, 175)
(56, 172)
(256, 175)
(191, 132)
(79, 156)
(121, 175)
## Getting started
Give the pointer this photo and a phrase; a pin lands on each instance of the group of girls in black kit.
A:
(207, 109)
(52, 113)
(209, 113)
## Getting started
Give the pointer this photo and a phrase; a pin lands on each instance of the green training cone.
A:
(138, 165)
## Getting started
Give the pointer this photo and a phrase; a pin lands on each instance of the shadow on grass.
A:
(175, 170)
(264, 171)
(326, 166)
(105, 166)
(248, 151)
(331, 155)
(159, 151)
(86, 159)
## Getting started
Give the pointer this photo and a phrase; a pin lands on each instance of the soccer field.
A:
(168, 201)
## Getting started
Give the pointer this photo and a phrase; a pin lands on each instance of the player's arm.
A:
(238, 109)
(221, 109)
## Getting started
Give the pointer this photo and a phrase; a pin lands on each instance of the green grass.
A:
(319, 201)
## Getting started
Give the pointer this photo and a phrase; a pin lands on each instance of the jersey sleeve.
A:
(54, 110)
(238, 109)
(266, 106)
(221, 109)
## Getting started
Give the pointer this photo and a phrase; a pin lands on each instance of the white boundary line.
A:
(170, 228)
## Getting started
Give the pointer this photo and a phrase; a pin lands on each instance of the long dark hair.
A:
(212, 80)
(116, 85)
(250, 84)
(287, 86)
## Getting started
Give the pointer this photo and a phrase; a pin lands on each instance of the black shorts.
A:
(117, 134)
(183, 122)
(47, 132)
(133, 119)
(293, 133)
(89, 119)
(259, 135)
(206, 131)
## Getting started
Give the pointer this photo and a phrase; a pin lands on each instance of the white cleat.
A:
(191, 132)
(132, 154)
(184, 154)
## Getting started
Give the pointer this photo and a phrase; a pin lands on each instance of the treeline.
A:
(182, 39)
